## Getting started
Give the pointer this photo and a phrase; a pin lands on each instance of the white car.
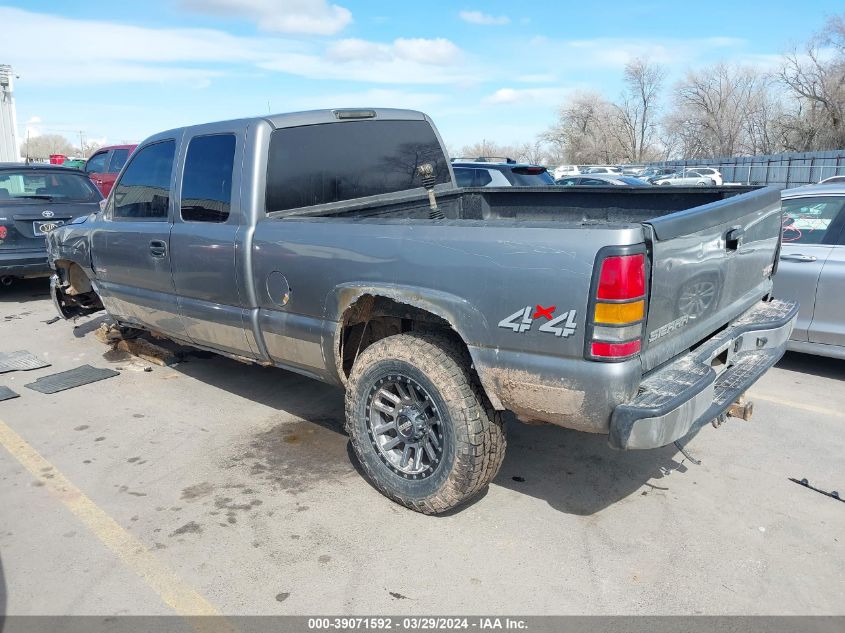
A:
(685, 178)
(565, 170)
(833, 180)
(713, 174)
(604, 169)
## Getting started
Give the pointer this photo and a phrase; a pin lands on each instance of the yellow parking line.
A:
(799, 405)
(163, 580)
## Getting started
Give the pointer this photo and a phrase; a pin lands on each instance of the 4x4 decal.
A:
(522, 320)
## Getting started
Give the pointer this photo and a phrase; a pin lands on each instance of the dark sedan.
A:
(601, 180)
(35, 199)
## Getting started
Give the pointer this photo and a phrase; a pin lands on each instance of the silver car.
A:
(685, 178)
(812, 267)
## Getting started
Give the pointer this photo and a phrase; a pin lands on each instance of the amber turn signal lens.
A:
(619, 312)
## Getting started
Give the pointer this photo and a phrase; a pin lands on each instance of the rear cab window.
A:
(813, 220)
(331, 162)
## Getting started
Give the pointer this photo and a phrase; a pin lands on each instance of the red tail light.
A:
(610, 350)
(622, 277)
(618, 308)
(3, 232)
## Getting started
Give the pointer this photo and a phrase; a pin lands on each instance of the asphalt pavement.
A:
(218, 487)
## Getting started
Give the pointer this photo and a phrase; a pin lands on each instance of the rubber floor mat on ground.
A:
(7, 394)
(20, 361)
(70, 379)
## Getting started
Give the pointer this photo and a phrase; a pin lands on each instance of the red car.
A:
(103, 167)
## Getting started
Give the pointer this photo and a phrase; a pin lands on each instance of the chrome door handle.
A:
(798, 258)
(158, 248)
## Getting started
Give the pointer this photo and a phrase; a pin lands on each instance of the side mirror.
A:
(103, 204)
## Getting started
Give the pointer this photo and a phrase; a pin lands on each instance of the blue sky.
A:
(495, 70)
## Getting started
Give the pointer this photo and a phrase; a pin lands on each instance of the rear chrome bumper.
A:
(681, 397)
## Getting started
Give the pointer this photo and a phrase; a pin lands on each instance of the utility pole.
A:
(82, 144)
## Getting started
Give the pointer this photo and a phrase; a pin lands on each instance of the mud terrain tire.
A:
(419, 386)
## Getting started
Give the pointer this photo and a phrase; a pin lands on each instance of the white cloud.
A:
(373, 98)
(403, 61)
(438, 52)
(616, 52)
(94, 51)
(32, 127)
(537, 96)
(485, 19)
(313, 17)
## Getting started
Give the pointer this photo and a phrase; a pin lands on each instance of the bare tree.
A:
(535, 153)
(816, 76)
(40, 147)
(636, 112)
(485, 148)
(584, 131)
(711, 106)
(88, 148)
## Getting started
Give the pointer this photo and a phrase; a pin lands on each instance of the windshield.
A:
(46, 185)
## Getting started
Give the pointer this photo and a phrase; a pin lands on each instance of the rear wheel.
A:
(424, 432)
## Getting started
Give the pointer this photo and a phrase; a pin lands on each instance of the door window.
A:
(118, 160)
(97, 163)
(143, 191)
(811, 220)
(207, 181)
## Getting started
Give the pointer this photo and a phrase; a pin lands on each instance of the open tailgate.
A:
(708, 265)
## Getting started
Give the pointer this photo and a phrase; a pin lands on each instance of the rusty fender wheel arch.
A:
(464, 319)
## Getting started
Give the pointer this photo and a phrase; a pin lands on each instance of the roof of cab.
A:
(314, 117)
(295, 119)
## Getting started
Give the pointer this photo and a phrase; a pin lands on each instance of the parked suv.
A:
(499, 172)
(103, 167)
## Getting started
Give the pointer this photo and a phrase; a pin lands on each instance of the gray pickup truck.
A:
(335, 244)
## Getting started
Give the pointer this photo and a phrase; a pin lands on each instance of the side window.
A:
(97, 163)
(463, 176)
(482, 177)
(143, 192)
(207, 181)
(808, 220)
(118, 160)
(594, 182)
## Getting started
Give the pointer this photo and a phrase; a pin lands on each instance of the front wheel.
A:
(422, 429)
